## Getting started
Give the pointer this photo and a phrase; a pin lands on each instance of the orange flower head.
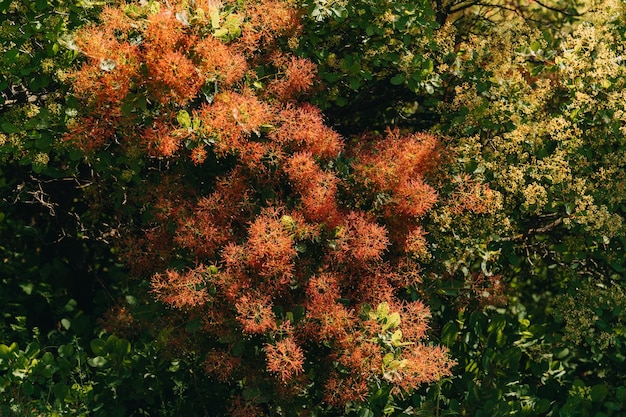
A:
(285, 358)
(298, 80)
(302, 129)
(254, 313)
(415, 243)
(174, 77)
(218, 62)
(162, 139)
(366, 240)
(271, 249)
(180, 290)
(163, 31)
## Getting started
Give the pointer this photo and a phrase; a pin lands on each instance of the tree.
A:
(288, 258)
(541, 125)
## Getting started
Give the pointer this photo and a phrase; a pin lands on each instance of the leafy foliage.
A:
(375, 59)
(298, 272)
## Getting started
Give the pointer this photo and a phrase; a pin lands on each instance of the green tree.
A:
(541, 127)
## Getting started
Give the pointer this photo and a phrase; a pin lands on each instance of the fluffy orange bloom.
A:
(232, 119)
(181, 290)
(161, 139)
(198, 155)
(221, 365)
(323, 289)
(326, 318)
(239, 407)
(199, 233)
(219, 62)
(414, 197)
(267, 20)
(120, 321)
(254, 313)
(229, 204)
(163, 31)
(284, 358)
(374, 287)
(319, 201)
(302, 170)
(270, 248)
(115, 21)
(174, 77)
(339, 391)
(108, 76)
(297, 80)
(422, 364)
(415, 316)
(415, 243)
(302, 129)
(360, 354)
(471, 195)
(317, 188)
(96, 43)
(363, 239)
(395, 159)
(88, 133)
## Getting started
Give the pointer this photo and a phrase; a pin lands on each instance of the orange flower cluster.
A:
(392, 173)
(285, 358)
(298, 79)
(157, 59)
(181, 290)
(308, 262)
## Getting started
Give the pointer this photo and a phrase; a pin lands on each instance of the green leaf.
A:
(10, 55)
(66, 324)
(382, 310)
(184, 120)
(449, 333)
(393, 321)
(60, 391)
(215, 18)
(251, 393)
(9, 127)
(66, 351)
(98, 347)
(122, 347)
(7, 351)
(193, 326)
(366, 412)
(610, 405)
(75, 155)
(47, 358)
(221, 33)
(542, 406)
(27, 288)
(398, 79)
(32, 350)
(97, 362)
(599, 393)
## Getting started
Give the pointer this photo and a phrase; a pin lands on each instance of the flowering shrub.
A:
(289, 256)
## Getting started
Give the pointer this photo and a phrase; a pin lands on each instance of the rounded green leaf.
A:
(97, 362)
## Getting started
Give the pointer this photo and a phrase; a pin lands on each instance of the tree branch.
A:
(554, 9)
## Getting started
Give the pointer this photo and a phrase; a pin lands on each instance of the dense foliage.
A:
(182, 233)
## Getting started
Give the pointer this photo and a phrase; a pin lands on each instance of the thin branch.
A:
(554, 9)
(546, 228)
